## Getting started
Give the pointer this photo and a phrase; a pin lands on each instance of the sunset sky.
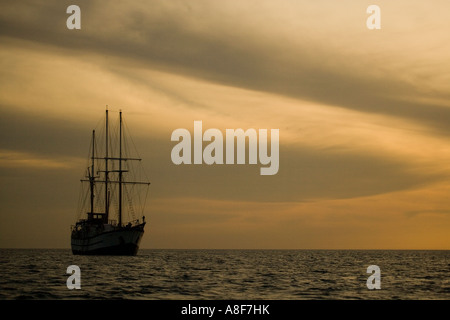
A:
(363, 116)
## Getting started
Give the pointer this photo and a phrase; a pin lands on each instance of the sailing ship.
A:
(95, 232)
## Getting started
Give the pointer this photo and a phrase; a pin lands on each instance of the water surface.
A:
(226, 274)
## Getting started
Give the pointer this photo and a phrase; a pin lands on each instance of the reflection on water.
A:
(226, 274)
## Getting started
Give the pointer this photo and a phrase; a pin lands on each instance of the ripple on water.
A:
(226, 274)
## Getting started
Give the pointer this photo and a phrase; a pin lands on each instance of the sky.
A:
(363, 118)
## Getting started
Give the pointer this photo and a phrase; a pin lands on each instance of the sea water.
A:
(226, 274)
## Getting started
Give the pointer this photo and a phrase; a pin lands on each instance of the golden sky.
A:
(364, 119)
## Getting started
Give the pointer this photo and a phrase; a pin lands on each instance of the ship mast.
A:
(107, 180)
(106, 172)
(120, 169)
(92, 176)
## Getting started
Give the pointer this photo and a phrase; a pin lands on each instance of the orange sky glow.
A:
(363, 117)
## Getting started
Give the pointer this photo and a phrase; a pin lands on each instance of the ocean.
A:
(41, 274)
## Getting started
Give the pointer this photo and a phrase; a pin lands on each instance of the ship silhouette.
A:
(110, 182)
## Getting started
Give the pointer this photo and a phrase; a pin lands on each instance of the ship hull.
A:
(122, 241)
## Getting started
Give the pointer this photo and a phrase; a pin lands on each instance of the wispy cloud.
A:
(328, 59)
(14, 159)
(363, 116)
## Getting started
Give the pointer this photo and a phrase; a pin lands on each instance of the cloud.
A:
(326, 151)
(238, 46)
(13, 159)
(363, 116)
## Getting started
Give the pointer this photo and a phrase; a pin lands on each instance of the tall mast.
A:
(120, 168)
(106, 171)
(107, 181)
(92, 172)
